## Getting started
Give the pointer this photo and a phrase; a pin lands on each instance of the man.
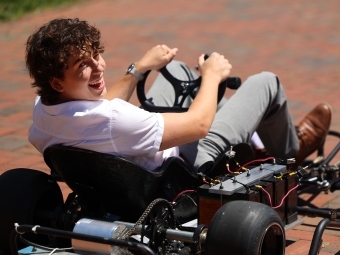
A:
(74, 107)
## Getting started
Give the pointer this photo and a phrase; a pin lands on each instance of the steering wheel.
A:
(182, 89)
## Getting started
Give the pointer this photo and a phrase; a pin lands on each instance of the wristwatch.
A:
(132, 70)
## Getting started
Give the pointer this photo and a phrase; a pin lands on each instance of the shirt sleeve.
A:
(134, 131)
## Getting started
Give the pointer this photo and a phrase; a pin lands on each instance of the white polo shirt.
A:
(115, 127)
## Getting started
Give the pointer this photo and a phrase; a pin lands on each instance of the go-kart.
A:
(243, 206)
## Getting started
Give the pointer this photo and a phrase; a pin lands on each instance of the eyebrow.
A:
(81, 57)
(77, 60)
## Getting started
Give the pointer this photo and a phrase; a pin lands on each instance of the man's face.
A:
(83, 79)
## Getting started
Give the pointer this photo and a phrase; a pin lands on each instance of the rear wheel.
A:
(27, 197)
(245, 228)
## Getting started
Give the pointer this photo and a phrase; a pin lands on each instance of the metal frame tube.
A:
(67, 234)
(325, 213)
(315, 245)
(171, 234)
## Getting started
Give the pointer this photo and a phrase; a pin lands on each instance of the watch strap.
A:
(132, 70)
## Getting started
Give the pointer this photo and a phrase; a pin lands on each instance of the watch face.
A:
(132, 70)
(129, 69)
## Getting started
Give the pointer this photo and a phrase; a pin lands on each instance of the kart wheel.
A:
(245, 228)
(26, 197)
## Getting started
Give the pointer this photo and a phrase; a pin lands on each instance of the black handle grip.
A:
(231, 82)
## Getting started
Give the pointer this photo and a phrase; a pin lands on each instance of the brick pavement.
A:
(300, 41)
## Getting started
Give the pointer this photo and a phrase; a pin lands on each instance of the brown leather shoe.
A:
(312, 131)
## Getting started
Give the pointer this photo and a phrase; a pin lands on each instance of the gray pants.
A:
(258, 105)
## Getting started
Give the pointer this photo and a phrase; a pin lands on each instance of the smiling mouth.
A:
(99, 84)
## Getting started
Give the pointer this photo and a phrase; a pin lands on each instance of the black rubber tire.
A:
(245, 228)
(22, 193)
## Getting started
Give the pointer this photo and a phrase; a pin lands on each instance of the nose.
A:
(96, 66)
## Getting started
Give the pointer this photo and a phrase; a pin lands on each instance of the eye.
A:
(82, 64)
(96, 57)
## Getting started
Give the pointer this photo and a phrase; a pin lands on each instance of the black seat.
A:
(122, 187)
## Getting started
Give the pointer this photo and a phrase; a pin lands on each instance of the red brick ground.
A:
(299, 40)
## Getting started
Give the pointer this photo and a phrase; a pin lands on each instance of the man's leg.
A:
(258, 105)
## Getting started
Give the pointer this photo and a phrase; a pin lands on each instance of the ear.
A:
(54, 82)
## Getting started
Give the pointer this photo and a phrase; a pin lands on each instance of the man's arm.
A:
(123, 89)
(182, 128)
(154, 59)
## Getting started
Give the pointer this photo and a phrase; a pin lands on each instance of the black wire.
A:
(13, 242)
(244, 185)
(25, 241)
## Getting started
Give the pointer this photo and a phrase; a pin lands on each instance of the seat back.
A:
(123, 187)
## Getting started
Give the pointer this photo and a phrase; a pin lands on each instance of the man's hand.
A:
(156, 58)
(216, 66)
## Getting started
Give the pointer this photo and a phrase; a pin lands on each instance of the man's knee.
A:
(264, 76)
(265, 79)
(181, 71)
(175, 66)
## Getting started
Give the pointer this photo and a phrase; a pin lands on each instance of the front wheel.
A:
(246, 228)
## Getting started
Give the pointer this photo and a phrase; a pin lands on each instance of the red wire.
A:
(206, 182)
(255, 160)
(270, 200)
(228, 169)
(181, 193)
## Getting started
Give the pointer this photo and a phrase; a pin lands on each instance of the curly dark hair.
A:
(48, 49)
